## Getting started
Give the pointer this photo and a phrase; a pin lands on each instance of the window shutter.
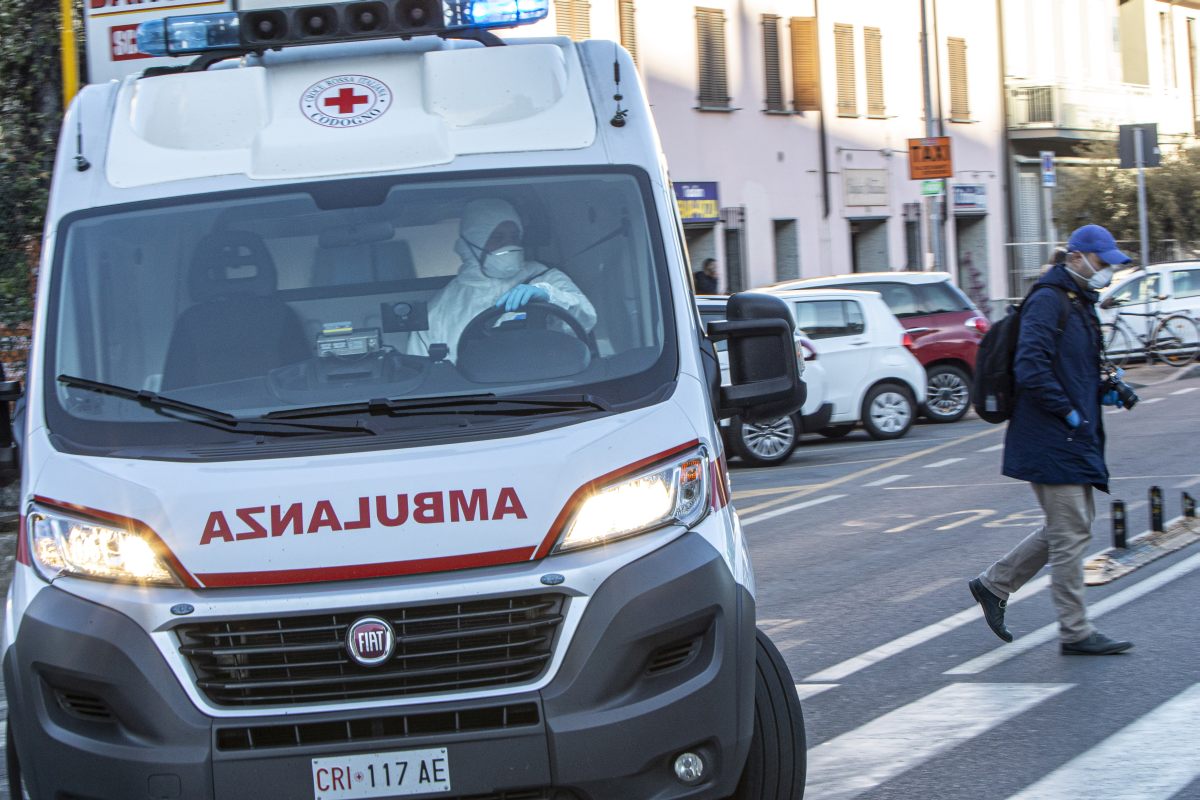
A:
(960, 105)
(806, 65)
(710, 45)
(873, 52)
(573, 18)
(771, 68)
(843, 45)
(627, 21)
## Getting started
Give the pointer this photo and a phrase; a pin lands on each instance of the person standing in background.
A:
(706, 279)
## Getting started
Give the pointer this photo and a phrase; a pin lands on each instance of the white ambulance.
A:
(369, 446)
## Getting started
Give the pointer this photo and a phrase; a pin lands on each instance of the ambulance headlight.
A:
(484, 13)
(65, 545)
(197, 33)
(675, 493)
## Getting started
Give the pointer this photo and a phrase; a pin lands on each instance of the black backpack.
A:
(995, 393)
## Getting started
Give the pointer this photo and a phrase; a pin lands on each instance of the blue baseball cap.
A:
(1096, 239)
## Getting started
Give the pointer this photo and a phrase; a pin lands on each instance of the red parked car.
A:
(945, 326)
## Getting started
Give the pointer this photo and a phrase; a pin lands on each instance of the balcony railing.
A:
(1098, 109)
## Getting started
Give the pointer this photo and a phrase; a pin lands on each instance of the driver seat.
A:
(238, 326)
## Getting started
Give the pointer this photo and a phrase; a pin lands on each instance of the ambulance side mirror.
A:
(764, 380)
(10, 455)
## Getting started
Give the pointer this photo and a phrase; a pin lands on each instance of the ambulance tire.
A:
(15, 789)
(775, 768)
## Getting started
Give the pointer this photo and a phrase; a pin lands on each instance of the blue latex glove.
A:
(1110, 398)
(1073, 419)
(521, 294)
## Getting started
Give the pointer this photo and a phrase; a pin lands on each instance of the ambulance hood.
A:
(367, 514)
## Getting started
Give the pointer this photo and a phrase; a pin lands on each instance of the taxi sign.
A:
(929, 158)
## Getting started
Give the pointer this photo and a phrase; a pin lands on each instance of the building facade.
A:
(1075, 71)
(786, 124)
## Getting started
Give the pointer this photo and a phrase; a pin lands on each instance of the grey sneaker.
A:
(1095, 645)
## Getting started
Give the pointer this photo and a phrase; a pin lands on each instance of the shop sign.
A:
(970, 198)
(866, 187)
(698, 201)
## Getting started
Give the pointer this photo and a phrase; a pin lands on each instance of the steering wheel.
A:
(537, 312)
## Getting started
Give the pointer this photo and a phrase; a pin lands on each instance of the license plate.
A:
(400, 772)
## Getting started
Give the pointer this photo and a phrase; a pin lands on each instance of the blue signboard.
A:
(698, 201)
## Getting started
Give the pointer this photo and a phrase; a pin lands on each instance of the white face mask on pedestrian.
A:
(1099, 279)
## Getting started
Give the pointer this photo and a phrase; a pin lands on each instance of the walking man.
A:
(1055, 439)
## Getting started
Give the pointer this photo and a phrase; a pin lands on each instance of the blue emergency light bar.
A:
(249, 31)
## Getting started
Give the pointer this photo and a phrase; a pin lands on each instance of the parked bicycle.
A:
(1172, 338)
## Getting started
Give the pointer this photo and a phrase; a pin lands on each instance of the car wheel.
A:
(765, 444)
(949, 393)
(888, 411)
(836, 431)
(775, 768)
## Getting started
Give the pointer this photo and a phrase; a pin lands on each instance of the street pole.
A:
(1048, 207)
(932, 211)
(70, 61)
(1139, 155)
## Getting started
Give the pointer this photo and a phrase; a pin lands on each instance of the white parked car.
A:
(771, 442)
(1170, 288)
(872, 376)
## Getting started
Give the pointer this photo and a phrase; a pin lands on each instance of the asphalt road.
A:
(862, 584)
(862, 551)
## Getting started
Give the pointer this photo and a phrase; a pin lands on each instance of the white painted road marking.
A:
(1184, 391)
(778, 512)
(945, 462)
(807, 690)
(860, 662)
(1096, 610)
(1153, 400)
(885, 481)
(991, 449)
(860, 760)
(1152, 759)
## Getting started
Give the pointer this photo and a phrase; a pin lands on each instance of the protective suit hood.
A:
(480, 218)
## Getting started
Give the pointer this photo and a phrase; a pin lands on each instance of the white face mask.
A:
(503, 263)
(1101, 278)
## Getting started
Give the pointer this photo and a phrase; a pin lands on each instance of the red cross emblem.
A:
(346, 100)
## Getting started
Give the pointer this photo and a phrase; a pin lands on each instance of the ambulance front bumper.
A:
(661, 663)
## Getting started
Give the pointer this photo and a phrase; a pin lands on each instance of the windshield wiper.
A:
(202, 414)
(481, 404)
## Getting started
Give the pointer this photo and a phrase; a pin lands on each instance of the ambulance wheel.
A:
(776, 765)
(764, 444)
(15, 789)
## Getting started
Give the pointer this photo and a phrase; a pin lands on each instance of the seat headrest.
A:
(231, 263)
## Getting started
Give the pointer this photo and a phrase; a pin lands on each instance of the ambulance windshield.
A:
(270, 302)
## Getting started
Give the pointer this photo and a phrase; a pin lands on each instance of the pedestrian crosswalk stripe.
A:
(850, 666)
(1184, 391)
(1153, 758)
(860, 760)
(1153, 400)
(1045, 634)
(991, 449)
(807, 690)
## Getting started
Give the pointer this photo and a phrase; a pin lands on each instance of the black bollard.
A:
(1156, 508)
(1118, 522)
(1189, 506)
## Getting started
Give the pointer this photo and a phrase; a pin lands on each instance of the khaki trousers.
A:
(1061, 542)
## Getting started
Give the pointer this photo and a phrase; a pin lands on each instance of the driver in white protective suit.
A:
(494, 272)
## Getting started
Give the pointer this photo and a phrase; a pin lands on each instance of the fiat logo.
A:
(370, 641)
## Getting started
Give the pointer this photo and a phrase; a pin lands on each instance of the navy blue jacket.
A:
(1056, 374)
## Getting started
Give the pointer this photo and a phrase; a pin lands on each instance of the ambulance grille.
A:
(441, 648)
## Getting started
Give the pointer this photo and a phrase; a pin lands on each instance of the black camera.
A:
(1125, 393)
